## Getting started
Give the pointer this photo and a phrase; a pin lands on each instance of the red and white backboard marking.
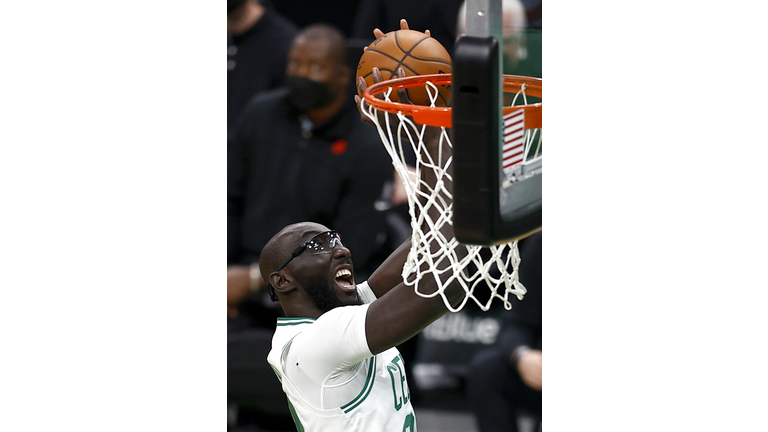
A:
(514, 140)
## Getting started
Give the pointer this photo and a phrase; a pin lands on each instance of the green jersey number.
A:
(410, 424)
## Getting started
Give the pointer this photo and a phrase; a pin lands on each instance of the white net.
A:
(485, 273)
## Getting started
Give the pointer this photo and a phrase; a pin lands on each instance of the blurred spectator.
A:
(437, 16)
(258, 39)
(533, 12)
(520, 56)
(338, 13)
(506, 381)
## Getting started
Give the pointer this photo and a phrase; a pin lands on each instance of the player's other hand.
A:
(402, 94)
(529, 367)
(403, 26)
(362, 85)
(432, 133)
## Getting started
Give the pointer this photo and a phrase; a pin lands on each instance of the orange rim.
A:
(441, 116)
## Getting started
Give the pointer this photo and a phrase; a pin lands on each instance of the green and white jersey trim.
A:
(332, 381)
(294, 321)
(366, 389)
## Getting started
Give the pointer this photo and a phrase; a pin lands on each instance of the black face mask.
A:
(307, 95)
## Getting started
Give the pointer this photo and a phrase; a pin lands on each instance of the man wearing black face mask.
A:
(302, 153)
(317, 75)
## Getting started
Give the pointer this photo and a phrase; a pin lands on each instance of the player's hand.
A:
(402, 95)
(432, 133)
(529, 367)
(403, 26)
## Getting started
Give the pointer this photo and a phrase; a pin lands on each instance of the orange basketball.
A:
(417, 54)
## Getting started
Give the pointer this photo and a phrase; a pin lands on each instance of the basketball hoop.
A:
(472, 266)
(441, 116)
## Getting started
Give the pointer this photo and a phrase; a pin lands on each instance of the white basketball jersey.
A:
(332, 381)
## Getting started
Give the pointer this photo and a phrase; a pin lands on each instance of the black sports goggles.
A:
(321, 243)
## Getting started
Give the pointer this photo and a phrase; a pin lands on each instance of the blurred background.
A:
(469, 371)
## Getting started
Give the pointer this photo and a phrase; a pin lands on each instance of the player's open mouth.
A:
(344, 279)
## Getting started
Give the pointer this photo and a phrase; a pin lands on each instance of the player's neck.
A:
(301, 310)
(308, 314)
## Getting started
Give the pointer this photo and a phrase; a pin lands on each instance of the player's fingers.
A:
(361, 84)
(402, 94)
(361, 105)
(377, 78)
(404, 26)
(377, 75)
(378, 33)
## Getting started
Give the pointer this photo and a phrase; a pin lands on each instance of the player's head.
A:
(513, 24)
(317, 73)
(306, 266)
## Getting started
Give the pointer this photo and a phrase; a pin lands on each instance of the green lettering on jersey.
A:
(405, 392)
(398, 400)
(403, 384)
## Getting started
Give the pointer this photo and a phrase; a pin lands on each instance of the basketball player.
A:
(334, 352)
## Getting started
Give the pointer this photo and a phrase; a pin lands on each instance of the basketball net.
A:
(473, 267)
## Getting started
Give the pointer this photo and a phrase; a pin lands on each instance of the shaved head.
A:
(280, 246)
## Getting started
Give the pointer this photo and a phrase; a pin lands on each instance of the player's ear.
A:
(281, 281)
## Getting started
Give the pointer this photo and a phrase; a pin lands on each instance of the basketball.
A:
(417, 54)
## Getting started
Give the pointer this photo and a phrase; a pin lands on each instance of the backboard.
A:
(497, 162)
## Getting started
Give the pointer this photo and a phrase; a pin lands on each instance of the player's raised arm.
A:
(401, 313)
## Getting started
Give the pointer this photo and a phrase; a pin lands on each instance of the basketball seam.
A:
(399, 62)
(393, 73)
(430, 60)
(408, 53)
